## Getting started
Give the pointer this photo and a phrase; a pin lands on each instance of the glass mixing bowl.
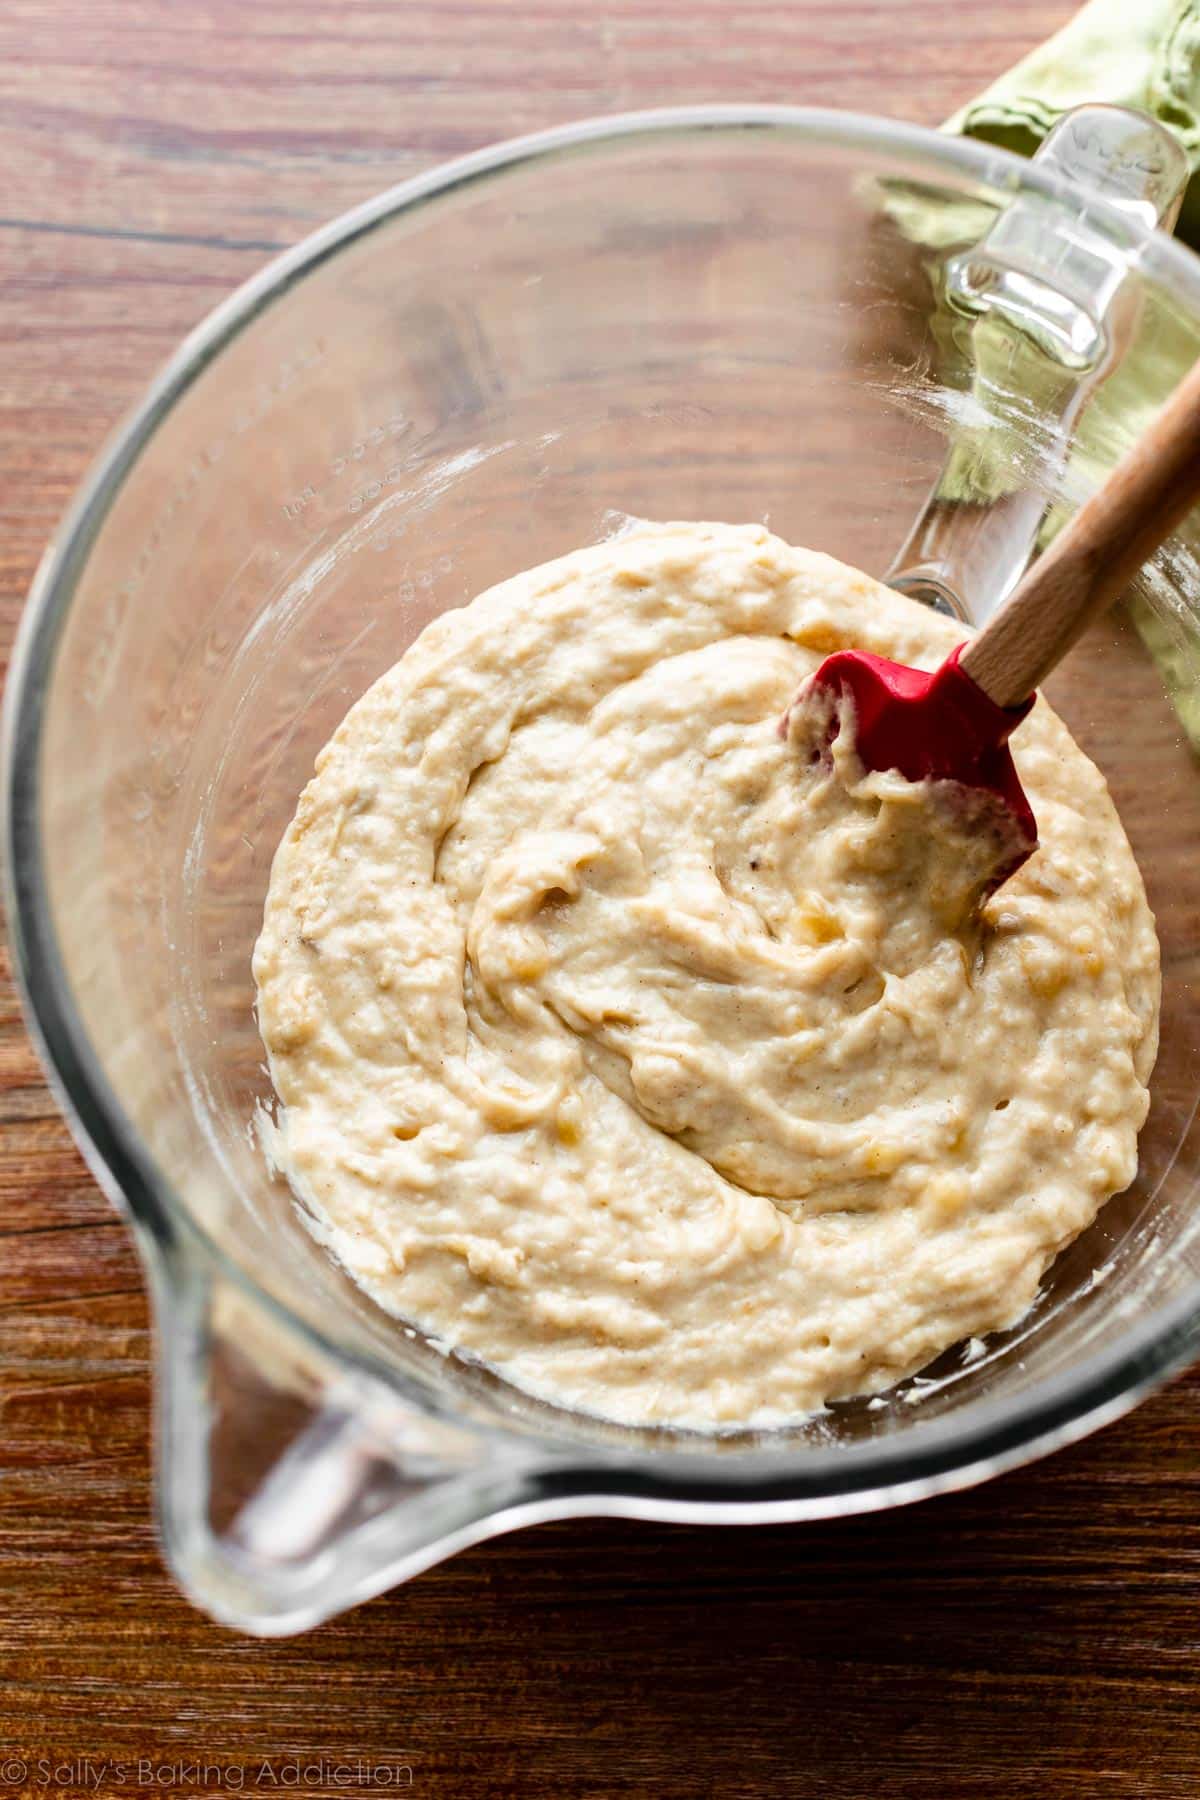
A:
(736, 314)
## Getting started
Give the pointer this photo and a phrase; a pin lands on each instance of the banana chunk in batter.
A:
(621, 1051)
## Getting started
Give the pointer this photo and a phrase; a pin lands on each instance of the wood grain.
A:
(1036, 1638)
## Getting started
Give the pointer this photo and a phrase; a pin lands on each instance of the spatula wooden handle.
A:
(1095, 558)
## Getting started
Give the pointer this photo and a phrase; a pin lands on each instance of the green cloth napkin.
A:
(1136, 53)
(1139, 53)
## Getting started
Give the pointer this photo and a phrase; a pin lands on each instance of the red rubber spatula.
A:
(953, 724)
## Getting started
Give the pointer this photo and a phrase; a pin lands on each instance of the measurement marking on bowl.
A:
(396, 426)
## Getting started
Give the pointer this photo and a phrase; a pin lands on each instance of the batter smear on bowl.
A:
(669, 1071)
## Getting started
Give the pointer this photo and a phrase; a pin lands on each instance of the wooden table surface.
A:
(1035, 1638)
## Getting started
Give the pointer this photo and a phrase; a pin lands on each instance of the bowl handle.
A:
(288, 1491)
(1048, 312)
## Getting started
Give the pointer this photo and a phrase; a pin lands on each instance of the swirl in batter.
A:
(668, 1075)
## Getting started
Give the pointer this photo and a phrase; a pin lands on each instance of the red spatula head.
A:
(930, 727)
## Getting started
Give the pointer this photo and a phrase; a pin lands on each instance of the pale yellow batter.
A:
(622, 1050)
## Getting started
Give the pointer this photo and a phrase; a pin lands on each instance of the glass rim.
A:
(933, 1456)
